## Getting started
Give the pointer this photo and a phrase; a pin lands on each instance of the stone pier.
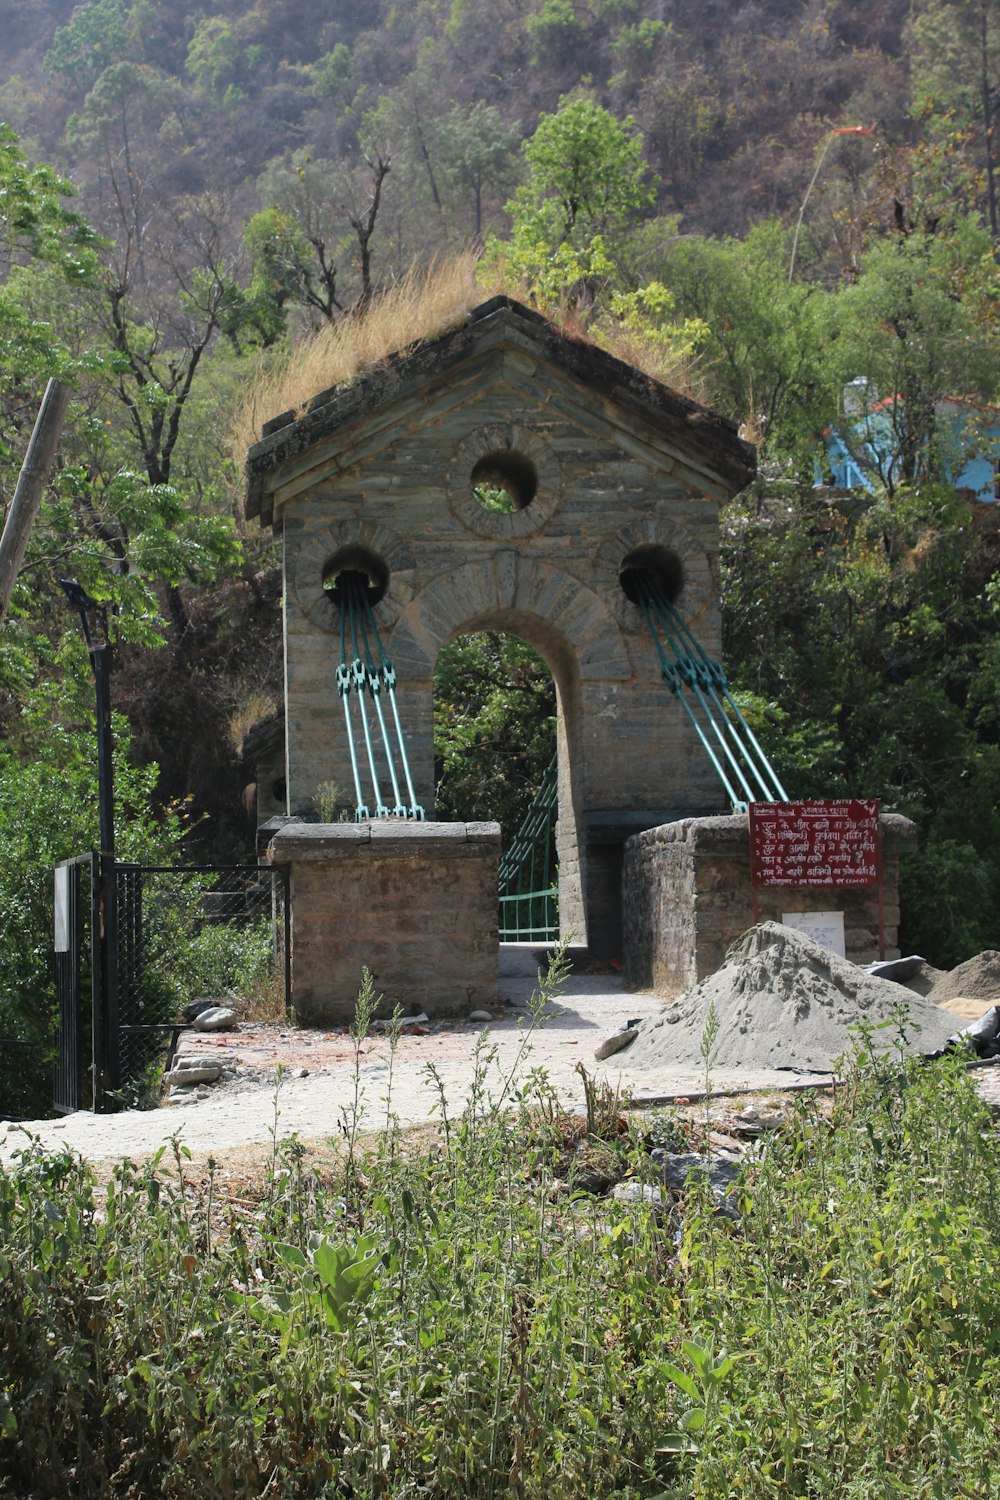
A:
(415, 903)
(687, 897)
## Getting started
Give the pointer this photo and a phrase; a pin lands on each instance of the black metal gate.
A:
(131, 955)
(183, 934)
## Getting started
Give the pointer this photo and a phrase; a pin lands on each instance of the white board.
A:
(824, 927)
(61, 909)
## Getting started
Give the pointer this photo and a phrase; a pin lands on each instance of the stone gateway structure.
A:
(600, 468)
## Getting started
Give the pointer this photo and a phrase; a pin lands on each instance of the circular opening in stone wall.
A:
(355, 563)
(651, 566)
(504, 481)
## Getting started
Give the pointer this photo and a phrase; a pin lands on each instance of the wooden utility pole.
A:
(30, 484)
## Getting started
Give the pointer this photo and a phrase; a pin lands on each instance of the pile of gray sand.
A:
(783, 1001)
(977, 979)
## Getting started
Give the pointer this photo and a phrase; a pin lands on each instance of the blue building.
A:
(866, 452)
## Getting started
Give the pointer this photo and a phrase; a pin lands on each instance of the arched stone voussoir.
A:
(320, 544)
(552, 610)
(700, 587)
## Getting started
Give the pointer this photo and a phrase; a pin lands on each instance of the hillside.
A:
(732, 99)
(763, 204)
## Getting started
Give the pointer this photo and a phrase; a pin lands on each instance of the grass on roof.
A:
(424, 304)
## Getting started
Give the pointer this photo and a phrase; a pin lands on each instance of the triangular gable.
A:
(701, 447)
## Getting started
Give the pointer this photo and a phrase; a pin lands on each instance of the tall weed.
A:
(454, 1319)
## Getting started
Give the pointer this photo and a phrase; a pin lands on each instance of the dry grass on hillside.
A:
(252, 707)
(427, 302)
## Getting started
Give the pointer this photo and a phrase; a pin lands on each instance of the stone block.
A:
(404, 834)
(687, 896)
(414, 903)
(299, 843)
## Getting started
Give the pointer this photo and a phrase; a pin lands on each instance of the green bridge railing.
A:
(529, 894)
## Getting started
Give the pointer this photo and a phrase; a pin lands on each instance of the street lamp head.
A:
(76, 593)
(92, 615)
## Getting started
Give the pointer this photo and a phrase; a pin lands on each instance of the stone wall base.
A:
(415, 903)
(687, 897)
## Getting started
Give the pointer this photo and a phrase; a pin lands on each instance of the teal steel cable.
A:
(672, 677)
(375, 687)
(764, 769)
(685, 664)
(361, 675)
(696, 676)
(389, 678)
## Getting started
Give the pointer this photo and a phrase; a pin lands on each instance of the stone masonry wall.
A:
(687, 897)
(415, 903)
(554, 583)
(549, 574)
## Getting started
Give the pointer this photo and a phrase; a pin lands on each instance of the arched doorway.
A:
(495, 716)
(503, 714)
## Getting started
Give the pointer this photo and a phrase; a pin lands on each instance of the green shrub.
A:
(455, 1321)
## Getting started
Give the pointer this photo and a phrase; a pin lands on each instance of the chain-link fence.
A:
(200, 933)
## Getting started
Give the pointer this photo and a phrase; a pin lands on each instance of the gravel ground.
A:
(317, 1085)
(245, 1109)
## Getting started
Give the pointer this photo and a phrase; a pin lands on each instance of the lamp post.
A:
(841, 130)
(107, 1052)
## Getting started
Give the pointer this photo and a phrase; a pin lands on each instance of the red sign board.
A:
(815, 843)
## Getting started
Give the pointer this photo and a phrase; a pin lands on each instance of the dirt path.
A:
(245, 1109)
(317, 1085)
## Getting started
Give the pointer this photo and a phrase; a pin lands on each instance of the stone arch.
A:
(573, 630)
(506, 588)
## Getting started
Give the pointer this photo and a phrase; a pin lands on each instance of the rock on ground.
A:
(216, 1018)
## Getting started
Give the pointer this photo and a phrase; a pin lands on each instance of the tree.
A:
(908, 335)
(331, 74)
(287, 266)
(586, 177)
(684, 120)
(98, 521)
(123, 529)
(767, 367)
(96, 35)
(555, 30)
(159, 340)
(320, 215)
(863, 643)
(955, 47)
(37, 230)
(636, 45)
(494, 728)
(115, 124)
(411, 116)
(212, 55)
(477, 152)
